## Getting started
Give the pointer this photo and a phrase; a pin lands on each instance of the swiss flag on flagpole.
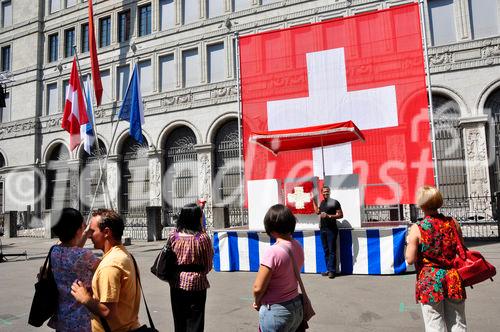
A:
(94, 62)
(75, 113)
(368, 69)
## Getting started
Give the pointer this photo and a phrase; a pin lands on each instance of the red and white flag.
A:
(75, 113)
(299, 196)
(367, 68)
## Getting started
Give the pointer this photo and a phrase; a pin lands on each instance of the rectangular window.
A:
(168, 73)
(70, 3)
(53, 47)
(6, 58)
(52, 107)
(69, 41)
(484, 18)
(123, 76)
(124, 26)
(442, 22)
(190, 11)
(167, 14)
(65, 92)
(105, 31)
(146, 77)
(145, 20)
(106, 86)
(84, 38)
(1, 193)
(215, 8)
(241, 4)
(5, 111)
(6, 13)
(191, 68)
(216, 62)
(55, 6)
(266, 2)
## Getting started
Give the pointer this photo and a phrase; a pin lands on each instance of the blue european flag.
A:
(132, 109)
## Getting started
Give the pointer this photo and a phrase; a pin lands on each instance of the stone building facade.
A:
(186, 54)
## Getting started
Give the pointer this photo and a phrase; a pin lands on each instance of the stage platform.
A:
(359, 251)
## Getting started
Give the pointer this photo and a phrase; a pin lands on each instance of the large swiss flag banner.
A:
(367, 68)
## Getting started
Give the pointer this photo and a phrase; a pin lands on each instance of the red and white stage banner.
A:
(368, 69)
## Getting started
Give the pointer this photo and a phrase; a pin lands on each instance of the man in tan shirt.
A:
(116, 295)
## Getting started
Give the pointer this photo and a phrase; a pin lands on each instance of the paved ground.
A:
(347, 303)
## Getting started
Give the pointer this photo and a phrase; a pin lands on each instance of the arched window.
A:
(492, 106)
(58, 188)
(134, 189)
(181, 172)
(2, 161)
(89, 178)
(449, 147)
(227, 172)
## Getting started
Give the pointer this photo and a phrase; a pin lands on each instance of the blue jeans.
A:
(281, 317)
(329, 241)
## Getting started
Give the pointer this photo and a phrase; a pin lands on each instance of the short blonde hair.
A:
(429, 197)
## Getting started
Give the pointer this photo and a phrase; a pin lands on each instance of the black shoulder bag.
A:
(143, 328)
(165, 265)
(45, 300)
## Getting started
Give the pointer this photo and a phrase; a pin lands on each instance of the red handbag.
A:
(471, 265)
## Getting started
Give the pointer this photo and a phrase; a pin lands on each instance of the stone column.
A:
(74, 183)
(10, 224)
(204, 152)
(476, 160)
(155, 192)
(48, 217)
(113, 178)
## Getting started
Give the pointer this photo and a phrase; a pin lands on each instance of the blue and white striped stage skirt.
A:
(359, 251)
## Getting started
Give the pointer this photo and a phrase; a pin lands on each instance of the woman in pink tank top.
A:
(275, 289)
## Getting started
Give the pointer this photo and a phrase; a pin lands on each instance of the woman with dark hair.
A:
(432, 246)
(193, 248)
(275, 289)
(69, 261)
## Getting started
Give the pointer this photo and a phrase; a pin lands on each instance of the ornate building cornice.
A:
(465, 55)
(18, 128)
(179, 100)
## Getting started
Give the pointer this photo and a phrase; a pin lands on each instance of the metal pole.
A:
(429, 91)
(322, 159)
(98, 148)
(240, 136)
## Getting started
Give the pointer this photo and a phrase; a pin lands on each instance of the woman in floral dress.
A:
(432, 246)
(69, 262)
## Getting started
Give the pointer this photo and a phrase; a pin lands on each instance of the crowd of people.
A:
(104, 294)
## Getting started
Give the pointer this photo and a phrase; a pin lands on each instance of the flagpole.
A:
(429, 91)
(94, 131)
(105, 189)
(114, 134)
(240, 137)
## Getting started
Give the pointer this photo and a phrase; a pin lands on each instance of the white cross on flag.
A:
(368, 69)
(75, 113)
(299, 196)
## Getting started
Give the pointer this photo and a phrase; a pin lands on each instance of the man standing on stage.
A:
(329, 211)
